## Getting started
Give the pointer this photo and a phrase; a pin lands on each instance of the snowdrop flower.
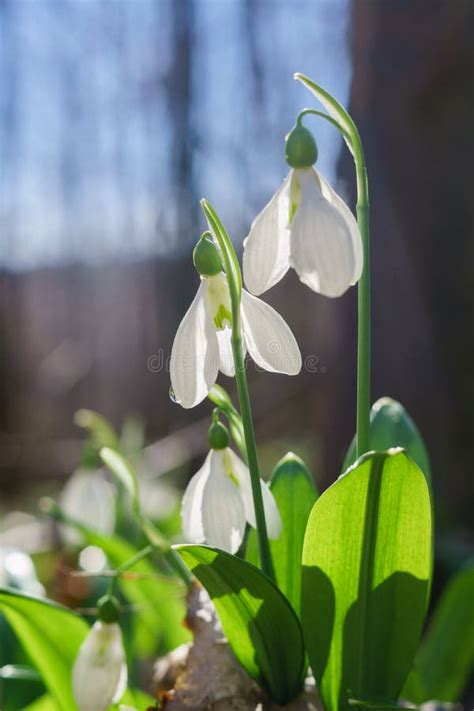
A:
(88, 498)
(218, 500)
(202, 345)
(99, 675)
(306, 226)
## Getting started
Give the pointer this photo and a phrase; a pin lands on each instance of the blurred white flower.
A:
(17, 571)
(99, 675)
(202, 345)
(218, 503)
(88, 498)
(306, 226)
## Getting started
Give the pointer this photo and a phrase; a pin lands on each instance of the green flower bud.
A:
(206, 257)
(218, 436)
(108, 609)
(301, 150)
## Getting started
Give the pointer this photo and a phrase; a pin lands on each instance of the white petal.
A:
(223, 515)
(351, 222)
(322, 250)
(241, 473)
(99, 673)
(194, 356)
(88, 498)
(191, 509)
(267, 246)
(268, 338)
(226, 359)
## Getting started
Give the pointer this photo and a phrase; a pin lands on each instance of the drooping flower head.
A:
(99, 675)
(307, 226)
(218, 502)
(202, 345)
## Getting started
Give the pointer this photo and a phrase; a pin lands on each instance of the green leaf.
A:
(392, 426)
(375, 705)
(259, 623)
(51, 636)
(336, 110)
(43, 703)
(366, 575)
(100, 429)
(295, 493)
(231, 263)
(134, 697)
(445, 660)
(123, 471)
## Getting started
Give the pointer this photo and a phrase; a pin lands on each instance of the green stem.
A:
(266, 562)
(363, 296)
(234, 279)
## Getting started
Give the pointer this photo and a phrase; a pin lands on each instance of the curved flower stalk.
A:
(218, 501)
(306, 226)
(99, 676)
(202, 345)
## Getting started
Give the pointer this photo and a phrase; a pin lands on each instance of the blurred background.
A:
(117, 116)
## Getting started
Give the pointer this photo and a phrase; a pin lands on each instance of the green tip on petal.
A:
(301, 150)
(206, 258)
(108, 609)
(218, 436)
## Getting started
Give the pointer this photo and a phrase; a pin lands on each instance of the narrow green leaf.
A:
(123, 471)
(100, 429)
(258, 621)
(392, 426)
(43, 703)
(366, 575)
(231, 262)
(295, 493)
(51, 636)
(445, 660)
(134, 697)
(376, 705)
(333, 107)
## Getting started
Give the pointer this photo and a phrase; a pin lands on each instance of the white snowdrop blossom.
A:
(88, 498)
(307, 226)
(218, 503)
(202, 345)
(99, 675)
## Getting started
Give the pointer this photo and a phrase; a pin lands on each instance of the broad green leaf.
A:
(366, 575)
(392, 426)
(123, 471)
(160, 608)
(259, 623)
(445, 661)
(295, 493)
(51, 636)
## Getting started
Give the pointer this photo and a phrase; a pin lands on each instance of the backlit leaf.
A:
(366, 575)
(258, 621)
